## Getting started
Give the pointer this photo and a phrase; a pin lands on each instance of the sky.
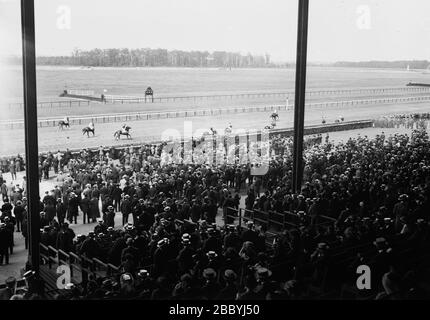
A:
(349, 30)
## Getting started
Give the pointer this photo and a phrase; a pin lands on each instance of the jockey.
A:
(66, 120)
(229, 129)
(124, 129)
(91, 125)
(275, 114)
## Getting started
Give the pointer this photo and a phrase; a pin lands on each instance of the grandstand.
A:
(273, 214)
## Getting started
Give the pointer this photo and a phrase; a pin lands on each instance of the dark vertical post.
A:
(299, 102)
(30, 122)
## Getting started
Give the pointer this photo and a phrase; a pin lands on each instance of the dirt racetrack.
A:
(52, 139)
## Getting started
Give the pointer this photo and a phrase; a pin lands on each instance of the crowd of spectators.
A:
(375, 190)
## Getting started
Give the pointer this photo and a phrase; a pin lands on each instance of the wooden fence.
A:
(121, 99)
(139, 116)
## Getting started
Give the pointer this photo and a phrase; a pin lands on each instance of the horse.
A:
(62, 124)
(87, 131)
(341, 119)
(117, 135)
(228, 131)
(274, 116)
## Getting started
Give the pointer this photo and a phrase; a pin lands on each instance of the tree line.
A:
(156, 58)
(401, 64)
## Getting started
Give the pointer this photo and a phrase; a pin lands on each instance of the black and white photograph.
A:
(215, 156)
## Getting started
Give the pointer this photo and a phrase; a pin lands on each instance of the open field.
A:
(51, 81)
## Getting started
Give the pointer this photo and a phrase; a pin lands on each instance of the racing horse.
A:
(272, 126)
(228, 130)
(87, 131)
(117, 135)
(274, 116)
(341, 119)
(62, 124)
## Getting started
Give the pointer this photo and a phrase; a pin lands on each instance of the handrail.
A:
(75, 256)
(105, 265)
(64, 253)
(345, 255)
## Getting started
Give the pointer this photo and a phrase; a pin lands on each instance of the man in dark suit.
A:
(4, 243)
(85, 208)
(18, 212)
(6, 208)
(110, 217)
(61, 211)
(9, 291)
(116, 196)
(125, 209)
(73, 208)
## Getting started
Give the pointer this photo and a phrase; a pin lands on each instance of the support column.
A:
(30, 122)
(299, 102)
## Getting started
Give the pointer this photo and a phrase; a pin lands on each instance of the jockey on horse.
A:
(63, 123)
(274, 115)
(91, 125)
(124, 129)
(229, 129)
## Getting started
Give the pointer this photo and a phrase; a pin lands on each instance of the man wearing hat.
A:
(100, 227)
(263, 287)
(94, 211)
(381, 261)
(110, 217)
(130, 250)
(90, 247)
(212, 243)
(401, 209)
(4, 243)
(230, 290)
(232, 239)
(213, 260)
(65, 238)
(211, 288)
(61, 211)
(73, 208)
(10, 227)
(161, 257)
(138, 209)
(185, 256)
(18, 212)
(144, 284)
(125, 208)
(250, 234)
(6, 208)
(85, 208)
(9, 291)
